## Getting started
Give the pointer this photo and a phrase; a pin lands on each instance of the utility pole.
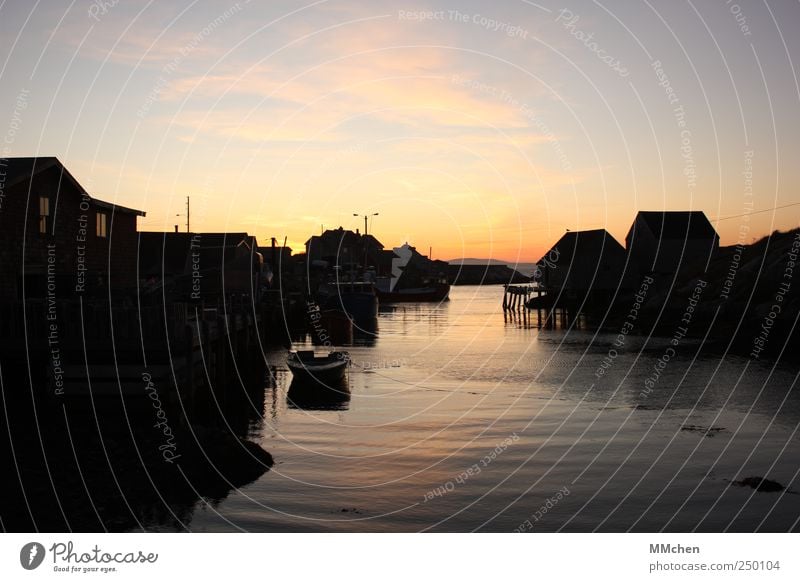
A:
(187, 214)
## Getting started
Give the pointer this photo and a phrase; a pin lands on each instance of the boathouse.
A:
(662, 242)
(585, 265)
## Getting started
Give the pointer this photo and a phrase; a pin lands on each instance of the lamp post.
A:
(365, 220)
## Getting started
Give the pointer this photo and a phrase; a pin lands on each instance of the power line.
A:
(757, 211)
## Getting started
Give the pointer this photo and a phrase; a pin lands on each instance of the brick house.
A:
(58, 241)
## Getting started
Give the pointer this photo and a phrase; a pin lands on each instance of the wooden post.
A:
(189, 367)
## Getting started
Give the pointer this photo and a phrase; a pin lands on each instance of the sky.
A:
(475, 129)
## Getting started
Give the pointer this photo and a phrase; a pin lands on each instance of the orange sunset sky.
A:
(481, 130)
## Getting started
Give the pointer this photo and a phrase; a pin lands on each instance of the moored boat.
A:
(328, 370)
(357, 299)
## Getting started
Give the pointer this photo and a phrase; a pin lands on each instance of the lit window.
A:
(44, 213)
(102, 225)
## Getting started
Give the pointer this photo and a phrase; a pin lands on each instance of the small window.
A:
(102, 225)
(44, 213)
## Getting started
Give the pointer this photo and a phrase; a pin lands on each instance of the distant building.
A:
(410, 268)
(199, 265)
(277, 256)
(345, 248)
(662, 242)
(55, 239)
(582, 263)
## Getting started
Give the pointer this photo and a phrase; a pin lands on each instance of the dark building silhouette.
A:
(277, 256)
(662, 242)
(581, 262)
(58, 241)
(344, 248)
(197, 266)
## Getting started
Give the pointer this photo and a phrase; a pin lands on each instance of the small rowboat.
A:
(329, 370)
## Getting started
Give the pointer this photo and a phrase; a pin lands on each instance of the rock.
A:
(760, 484)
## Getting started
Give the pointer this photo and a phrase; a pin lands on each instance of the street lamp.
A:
(365, 220)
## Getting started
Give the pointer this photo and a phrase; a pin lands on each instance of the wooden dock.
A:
(520, 301)
(80, 353)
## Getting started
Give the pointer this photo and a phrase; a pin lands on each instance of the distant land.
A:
(487, 272)
(526, 269)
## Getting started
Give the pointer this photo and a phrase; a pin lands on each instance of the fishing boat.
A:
(414, 278)
(328, 370)
(356, 298)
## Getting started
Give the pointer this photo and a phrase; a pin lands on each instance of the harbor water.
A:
(460, 420)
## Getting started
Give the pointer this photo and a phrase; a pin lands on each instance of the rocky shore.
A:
(745, 301)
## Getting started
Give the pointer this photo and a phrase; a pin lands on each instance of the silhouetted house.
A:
(195, 266)
(345, 248)
(662, 242)
(56, 240)
(277, 256)
(582, 264)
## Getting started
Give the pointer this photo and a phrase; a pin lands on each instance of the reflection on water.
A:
(459, 421)
(314, 396)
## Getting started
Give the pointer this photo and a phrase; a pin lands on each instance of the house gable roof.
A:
(341, 237)
(586, 242)
(676, 225)
(18, 170)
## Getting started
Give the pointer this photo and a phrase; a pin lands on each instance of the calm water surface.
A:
(440, 389)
